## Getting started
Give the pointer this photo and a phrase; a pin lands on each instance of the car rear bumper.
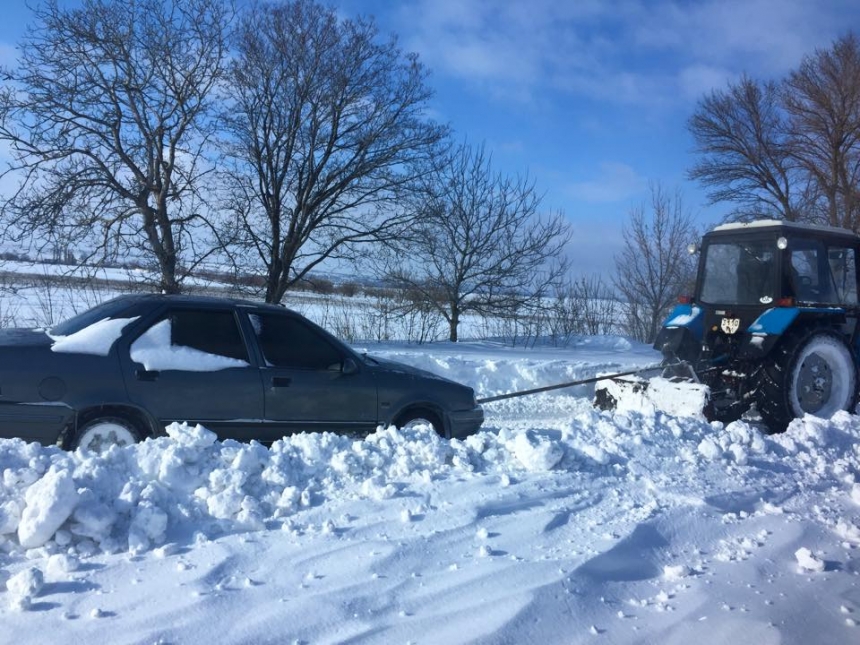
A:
(463, 423)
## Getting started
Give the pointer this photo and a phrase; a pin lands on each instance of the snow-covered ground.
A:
(556, 524)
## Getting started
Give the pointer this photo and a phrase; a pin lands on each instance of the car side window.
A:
(212, 332)
(289, 342)
(192, 340)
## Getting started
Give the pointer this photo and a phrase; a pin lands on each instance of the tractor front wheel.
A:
(808, 373)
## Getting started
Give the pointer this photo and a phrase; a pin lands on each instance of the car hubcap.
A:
(814, 383)
(414, 423)
(98, 438)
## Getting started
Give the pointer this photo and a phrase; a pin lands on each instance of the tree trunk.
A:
(454, 323)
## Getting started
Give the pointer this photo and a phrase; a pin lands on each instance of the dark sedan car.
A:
(121, 371)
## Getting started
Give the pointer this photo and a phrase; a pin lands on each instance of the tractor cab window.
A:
(805, 276)
(739, 273)
(842, 266)
(823, 274)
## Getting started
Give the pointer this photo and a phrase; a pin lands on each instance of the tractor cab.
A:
(747, 270)
(766, 264)
(763, 290)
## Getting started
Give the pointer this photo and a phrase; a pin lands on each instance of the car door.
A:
(310, 381)
(192, 364)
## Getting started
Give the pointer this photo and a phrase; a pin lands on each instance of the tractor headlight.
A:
(781, 243)
(692, 247)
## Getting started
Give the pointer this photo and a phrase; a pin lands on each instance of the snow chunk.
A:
(10, 515)
(807, 561)
(676, 572)
(50, 502)
(848, 531)
(148, 527)
(536, 453)
(24, 586)
(61, 564)
(735, 442)
(709, 449)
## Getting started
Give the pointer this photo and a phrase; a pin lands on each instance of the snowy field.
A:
(556, 524)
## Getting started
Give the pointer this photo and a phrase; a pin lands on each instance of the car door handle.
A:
(281, 381)
(147, 375)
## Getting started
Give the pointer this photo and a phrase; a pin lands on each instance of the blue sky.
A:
(589, 97)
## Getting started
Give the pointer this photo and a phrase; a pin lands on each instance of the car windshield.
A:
(739, 273)
(116, 308)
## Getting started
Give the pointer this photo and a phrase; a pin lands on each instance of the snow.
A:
(684, 319)
(807, 561)
(154, 351)
(558, 523)
(766, 223)
(96, 339)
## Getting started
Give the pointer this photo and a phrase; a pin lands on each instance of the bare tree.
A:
(584, 305)
(822, 99)
(787, 149)
(654, 267)
(105, 115)
(480, 244)
(741, 137)
(326, 128)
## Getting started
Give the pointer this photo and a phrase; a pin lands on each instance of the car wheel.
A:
(98, 435)
(414, 418)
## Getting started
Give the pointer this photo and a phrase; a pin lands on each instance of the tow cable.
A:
(559, 386)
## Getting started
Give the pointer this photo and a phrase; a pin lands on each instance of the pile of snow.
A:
(557, 523)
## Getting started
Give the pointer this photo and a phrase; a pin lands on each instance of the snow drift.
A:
(557, 524)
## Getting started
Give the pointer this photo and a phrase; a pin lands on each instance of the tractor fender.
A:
(682, 332)
(774, 322)
(770, 326)
(689, 316)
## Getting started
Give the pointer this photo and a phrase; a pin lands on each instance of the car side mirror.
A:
(349, 366)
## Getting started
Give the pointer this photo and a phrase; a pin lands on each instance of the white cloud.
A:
(616, 182)
(697, 80)
(768, 37)
(621, 51)
(595, 244)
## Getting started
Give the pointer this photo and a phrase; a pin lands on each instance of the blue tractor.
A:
(772, 323)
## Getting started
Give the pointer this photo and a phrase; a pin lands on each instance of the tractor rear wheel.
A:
(811, 372)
